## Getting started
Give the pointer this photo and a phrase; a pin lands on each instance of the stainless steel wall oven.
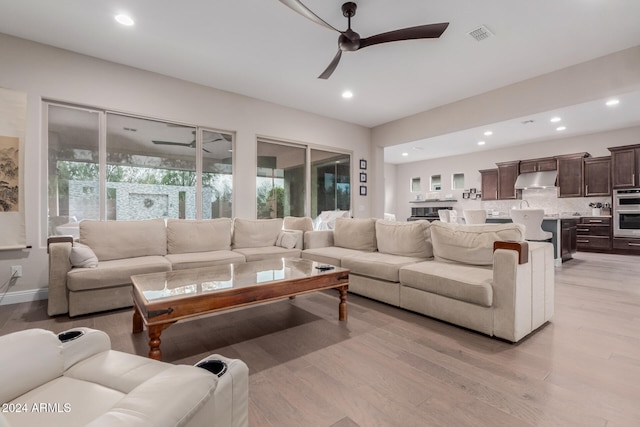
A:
(626, 213)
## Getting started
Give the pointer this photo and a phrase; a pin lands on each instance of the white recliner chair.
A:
(475, 216)
(75, 379)
(532, 221)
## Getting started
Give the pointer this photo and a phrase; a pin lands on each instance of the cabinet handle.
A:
(593, 221)
(586, 190)
(586, 241)
(634, 244)
(582, 229)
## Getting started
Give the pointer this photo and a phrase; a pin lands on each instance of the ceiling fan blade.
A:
(430, 31)
(298, 7)
(332, 66)
(184, 144)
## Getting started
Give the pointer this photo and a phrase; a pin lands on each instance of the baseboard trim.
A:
(24, 296)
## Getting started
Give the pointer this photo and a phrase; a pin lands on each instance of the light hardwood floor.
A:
(389, 367)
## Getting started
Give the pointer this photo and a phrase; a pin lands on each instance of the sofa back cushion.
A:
(189, 235)
(124, 239)
(28, 359)
(411, 239)
(303, 223)
(470, 244)
(256, 233)
(355, 233)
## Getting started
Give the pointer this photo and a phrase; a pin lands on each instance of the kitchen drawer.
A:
(593, 242)
(595, 220)
(594, 230)
(632, 245)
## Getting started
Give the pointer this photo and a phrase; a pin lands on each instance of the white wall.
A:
(469, 164)
(44, 72)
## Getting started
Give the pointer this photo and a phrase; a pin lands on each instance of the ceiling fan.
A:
(350, 41)
(192, 144)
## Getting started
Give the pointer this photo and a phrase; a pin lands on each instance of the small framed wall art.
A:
(363, 164)
(363, 177)
(363, 190)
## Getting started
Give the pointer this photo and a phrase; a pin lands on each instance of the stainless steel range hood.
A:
(544, 179)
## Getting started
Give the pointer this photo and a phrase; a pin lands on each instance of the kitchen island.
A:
(564, 231)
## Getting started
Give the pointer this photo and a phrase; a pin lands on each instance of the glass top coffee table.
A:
(161, 299)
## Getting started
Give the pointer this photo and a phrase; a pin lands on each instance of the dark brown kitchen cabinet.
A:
(571, 175)
(489, 183)
(594, 234)
(507, 175)
(625, 164)
(538, 165)
(597, 176)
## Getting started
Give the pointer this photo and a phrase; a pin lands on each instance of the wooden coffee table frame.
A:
(159, 315)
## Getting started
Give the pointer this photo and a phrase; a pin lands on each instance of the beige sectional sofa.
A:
(94, 273)
(447, 271)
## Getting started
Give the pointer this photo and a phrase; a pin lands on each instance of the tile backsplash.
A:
(546, 199)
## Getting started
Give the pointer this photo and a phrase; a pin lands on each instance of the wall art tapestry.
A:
(13, 114)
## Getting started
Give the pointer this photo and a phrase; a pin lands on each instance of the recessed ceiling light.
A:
(405, 154)
(612, 102)
(555, 119)
(488, 133)
(481, 142)
(347, 94)
(124, 20)
(560, 128)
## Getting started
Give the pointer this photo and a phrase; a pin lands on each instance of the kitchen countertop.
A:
(563, 215)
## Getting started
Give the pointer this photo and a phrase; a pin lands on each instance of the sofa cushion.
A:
(124, 239)
(255, 233)
(27, 360)
(82, 256)
(304, 223)
(378, 265)
(410, 239)
(458, 281)
(268, 252)
(187, 235)
(355, 233)
(290, 239)
(114, 272)
(471, 244)
(329, 255)
(203, 259)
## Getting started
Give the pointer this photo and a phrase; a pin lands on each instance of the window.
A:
(330, 182)
(415, 185)
(457, 181)
(435, 183)
(280, 180)
(150, 169)
(283, 180)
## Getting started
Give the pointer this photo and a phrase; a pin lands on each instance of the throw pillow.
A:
(287, 239)
(82, 256)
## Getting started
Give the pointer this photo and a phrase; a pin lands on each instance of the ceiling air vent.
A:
(481, 33)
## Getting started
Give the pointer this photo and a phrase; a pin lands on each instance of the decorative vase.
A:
(595, 211)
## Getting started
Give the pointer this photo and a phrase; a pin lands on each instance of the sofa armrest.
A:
(88, 343)
(59, 266)
(318, 239)
(523, 294)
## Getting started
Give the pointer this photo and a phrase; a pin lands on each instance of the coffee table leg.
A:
(342, 307)
(154, 342)
(137, 320)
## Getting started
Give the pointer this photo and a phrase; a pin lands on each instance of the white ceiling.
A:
(262, 49)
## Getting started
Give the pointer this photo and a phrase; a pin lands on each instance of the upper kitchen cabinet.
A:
(571, 174)
(507, 175)
(625, 163)
(597, 176)
(538, 165)
(489, 184)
